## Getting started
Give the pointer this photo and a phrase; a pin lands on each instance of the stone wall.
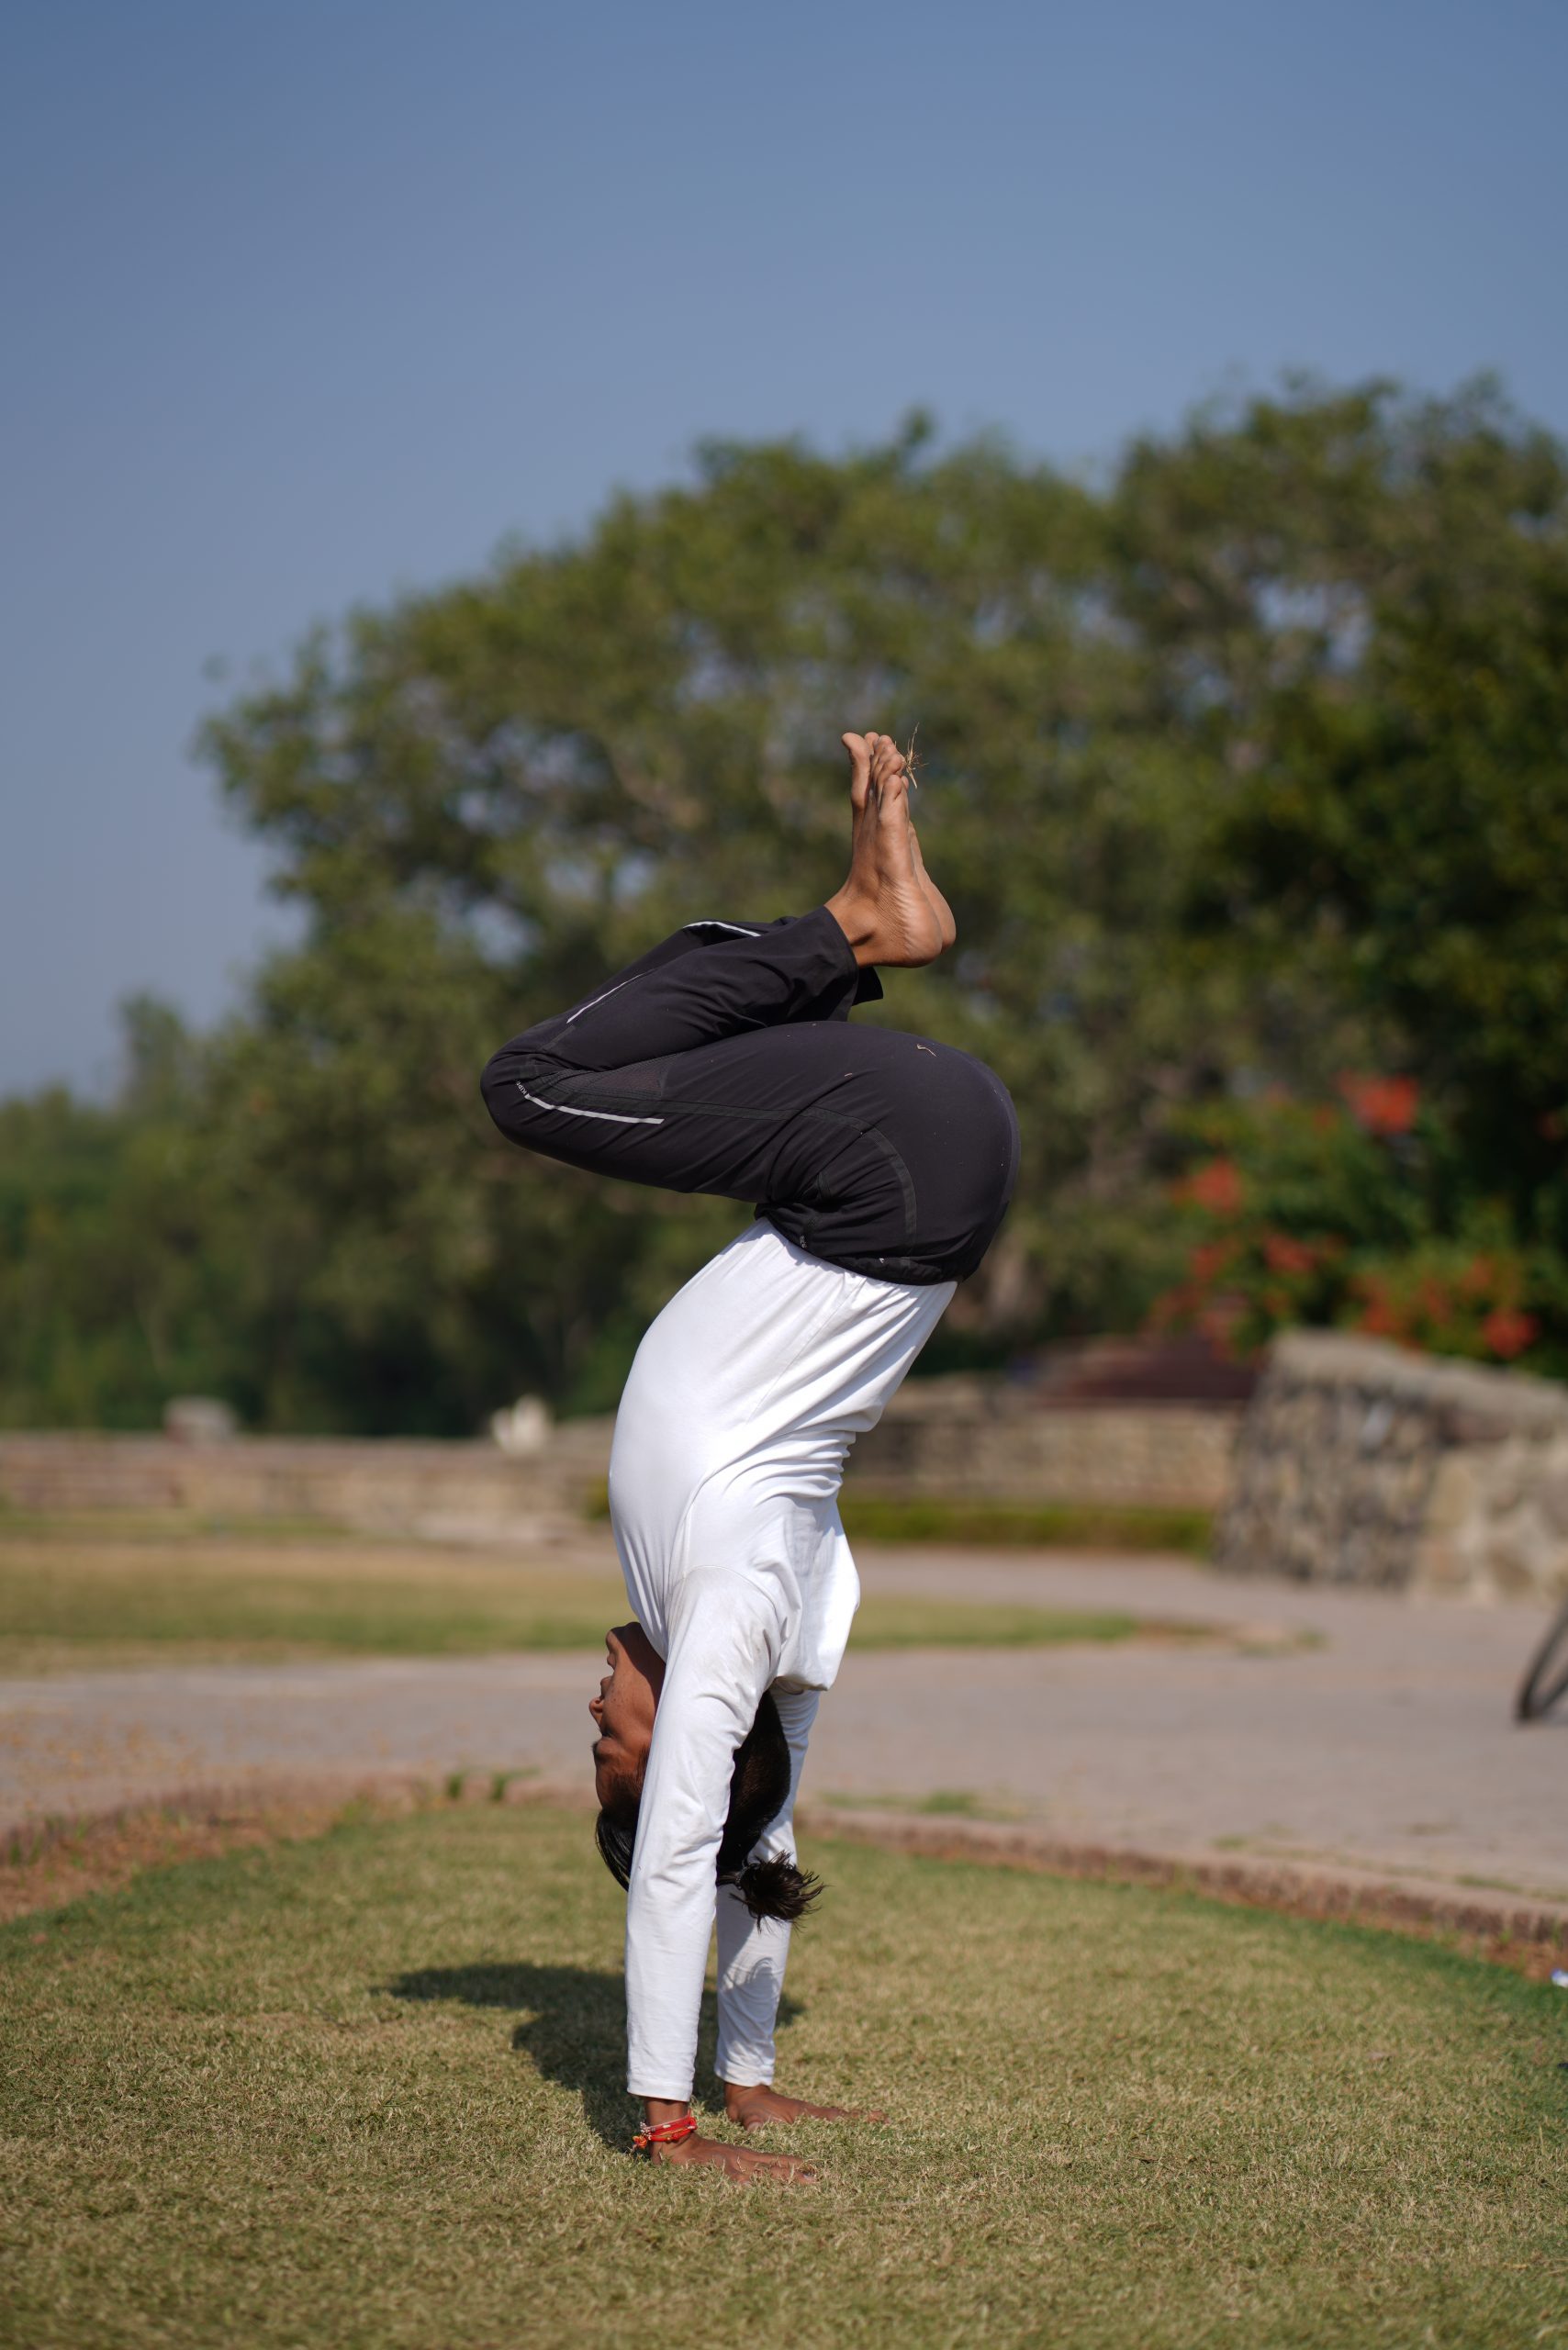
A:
(973, 1437)
(1360, 1463)
(441, 1491)
(964, 1438)
(1355, 1462)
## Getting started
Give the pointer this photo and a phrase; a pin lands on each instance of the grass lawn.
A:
(72, 1600)
(365, 2092)
(1073, 1526)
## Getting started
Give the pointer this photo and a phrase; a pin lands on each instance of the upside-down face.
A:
(624, 1714)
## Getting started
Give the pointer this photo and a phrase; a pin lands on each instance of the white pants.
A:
(753, 1950)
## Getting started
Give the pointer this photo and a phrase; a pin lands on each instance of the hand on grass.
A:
(743, 2163)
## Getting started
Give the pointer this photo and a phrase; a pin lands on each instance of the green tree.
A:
(1397, 817)
(546, 770)
(1242, 767)
(113, 1271)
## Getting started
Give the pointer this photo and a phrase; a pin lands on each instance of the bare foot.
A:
(742, 2163)
(882, 909)
(860, 748)
(755, 2109)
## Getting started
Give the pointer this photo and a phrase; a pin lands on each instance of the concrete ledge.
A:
(392, 1792)
(1504, 1921)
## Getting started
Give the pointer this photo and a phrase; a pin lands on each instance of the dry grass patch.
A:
(68, 1602)
(366, 2093)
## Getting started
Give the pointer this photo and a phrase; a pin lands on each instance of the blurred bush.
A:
(1365, 1213)
(1243, 766)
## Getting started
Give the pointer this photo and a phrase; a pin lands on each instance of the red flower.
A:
(1382, 1319)
(1435, 1302)
(1219, 1321)
(1384, 1105)
(1216, 1187)
(1479, 1278)
(1210, 1260)
(1509, 1332)
(1284, 1255)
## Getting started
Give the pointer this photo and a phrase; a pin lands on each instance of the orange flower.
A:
(1508, 1332)
(1384, 1105)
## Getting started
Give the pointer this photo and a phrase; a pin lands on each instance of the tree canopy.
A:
(1243, 767)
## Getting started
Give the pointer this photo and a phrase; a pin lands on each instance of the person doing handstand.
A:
(880, 1166)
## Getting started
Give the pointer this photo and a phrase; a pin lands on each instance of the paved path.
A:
(1389, 1746)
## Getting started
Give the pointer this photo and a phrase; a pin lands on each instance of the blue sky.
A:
(302, 304)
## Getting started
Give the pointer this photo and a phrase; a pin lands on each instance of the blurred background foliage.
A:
(1245, 768)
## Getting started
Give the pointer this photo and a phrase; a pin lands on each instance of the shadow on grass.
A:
(574, 2027)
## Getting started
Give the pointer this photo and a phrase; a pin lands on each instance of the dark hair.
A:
(759, 1789)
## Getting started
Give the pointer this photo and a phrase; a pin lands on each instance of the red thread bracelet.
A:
(663, 2133)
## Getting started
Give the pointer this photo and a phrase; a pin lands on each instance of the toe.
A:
(859, 749)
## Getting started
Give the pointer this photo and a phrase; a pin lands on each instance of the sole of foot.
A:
(888, 907)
